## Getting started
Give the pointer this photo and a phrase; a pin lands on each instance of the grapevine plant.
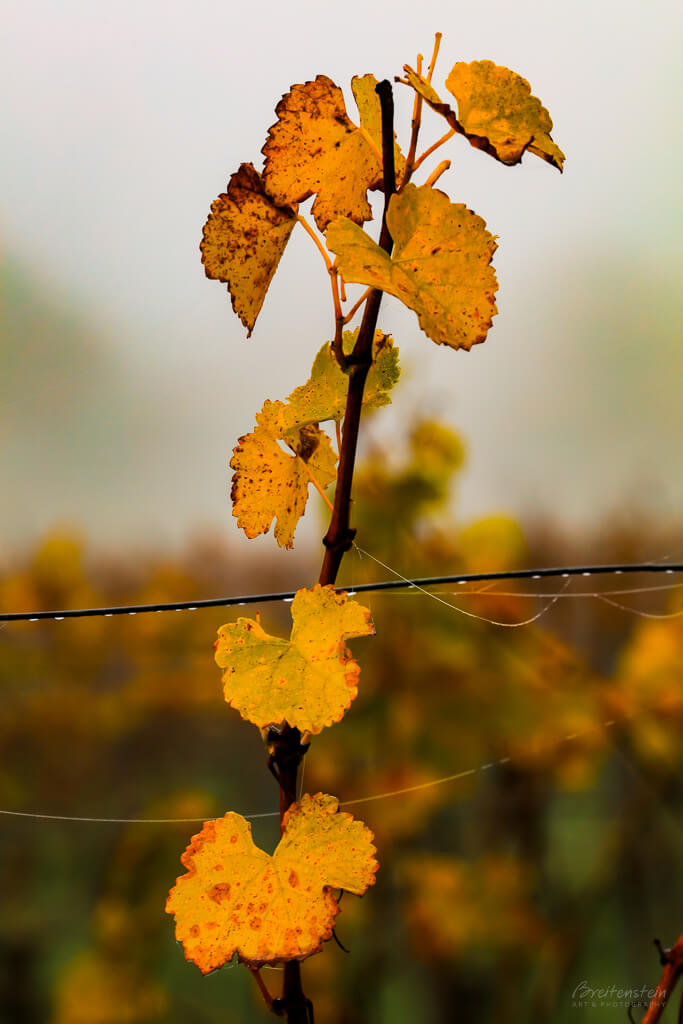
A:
(435, 256)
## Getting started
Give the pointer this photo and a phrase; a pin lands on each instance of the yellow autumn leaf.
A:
(237, 899)
(243, 240)
(307, 681)
(496, 111)
(440, 268)
(323, 397)
(271, 483)
(315, 149)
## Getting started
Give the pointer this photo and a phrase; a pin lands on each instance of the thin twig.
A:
(414, 129)
(435, 53)
(439, 142)
(356, 306)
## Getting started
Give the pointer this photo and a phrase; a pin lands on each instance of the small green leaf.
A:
(323, 397)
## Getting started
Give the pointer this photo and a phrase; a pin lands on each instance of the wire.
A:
(402, 582)
(430, 784)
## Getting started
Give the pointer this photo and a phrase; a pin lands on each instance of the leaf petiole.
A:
(356, 306)
(371, 143)
(439, 142)
(317, 486)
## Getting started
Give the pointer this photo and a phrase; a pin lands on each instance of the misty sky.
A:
(121, 123)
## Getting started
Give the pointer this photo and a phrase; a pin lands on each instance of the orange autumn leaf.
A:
(315, 149)
(271, 483)
(307, 681)
(496, 111)
(237, 899)
(440, 267)
(243, 240)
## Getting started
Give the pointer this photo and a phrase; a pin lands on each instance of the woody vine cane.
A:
(435, 256)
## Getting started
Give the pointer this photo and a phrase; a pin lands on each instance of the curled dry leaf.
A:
(243, 240)
(496, 111)
(307, 681)
(440, 268)
(237, 899)
(272, 483)
(314, 148)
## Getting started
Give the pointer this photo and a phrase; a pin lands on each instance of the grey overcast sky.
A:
(121, 122)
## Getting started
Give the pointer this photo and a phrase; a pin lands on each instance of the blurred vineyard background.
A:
(125, 383)
(498, 893)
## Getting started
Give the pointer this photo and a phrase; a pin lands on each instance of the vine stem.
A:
(672, 962)
(339, 536)
(288, 750)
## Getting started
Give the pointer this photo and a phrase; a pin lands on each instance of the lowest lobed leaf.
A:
(237, 899)
(440, 267)
(308, 681)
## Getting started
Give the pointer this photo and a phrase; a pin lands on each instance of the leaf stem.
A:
(317, 485)
(371, 143)
(309, 231)
(437, 172)
(439, 142)
(356, 306)
(256, 975)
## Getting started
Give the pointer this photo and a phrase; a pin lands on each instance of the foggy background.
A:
(126, 379)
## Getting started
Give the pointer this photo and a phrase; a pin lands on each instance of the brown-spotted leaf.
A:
(440, 268)
(237, 899)
(272, 483)
(496, 111)
(315, 149)
(243, 240)
(323, 397)
(496, 105)
(307, 681)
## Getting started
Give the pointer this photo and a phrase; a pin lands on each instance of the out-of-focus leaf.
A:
(95, 989)
(271, 483)
(440, 268)
(243, 240)
(314, 148)
(323, 397)
(237, 899)
(496, 111)
(308, 681)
